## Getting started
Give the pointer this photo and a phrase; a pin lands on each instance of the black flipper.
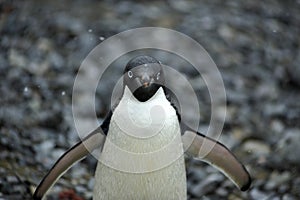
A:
(94, 140)
(210, 151)
(216, 154)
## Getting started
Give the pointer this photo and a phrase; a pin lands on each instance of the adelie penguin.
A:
(142, 154)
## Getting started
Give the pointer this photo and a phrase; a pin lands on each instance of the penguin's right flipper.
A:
(94, 140)
(216, 154)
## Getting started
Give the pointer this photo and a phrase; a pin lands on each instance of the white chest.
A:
(142, 157)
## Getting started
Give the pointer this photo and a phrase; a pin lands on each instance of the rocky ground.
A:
(254, 43)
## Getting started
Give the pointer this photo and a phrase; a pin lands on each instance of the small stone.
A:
(196, 173)
(56, 60)
(181, 5)
(45, 147)
(78, 171)
(226, 32)
(289, 144)
(207, 185)
(80, 189)
(294, 70)
(12, 179)
(277, 179)
(267, 90)
(38, 68)
(222, 192)
(57, 152)
(277, 126)
(295, 186)
(283, 188)
(274, 109)
(26, 89)
(91, 184)
(288, 197)
(17, 59)
(258, 194)
(44, 44)
(256, 147)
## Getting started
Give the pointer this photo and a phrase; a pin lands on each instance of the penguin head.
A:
(143, 75)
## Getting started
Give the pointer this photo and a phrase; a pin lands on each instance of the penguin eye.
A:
(130, 74)
(157, 75)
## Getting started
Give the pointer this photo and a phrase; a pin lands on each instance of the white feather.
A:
(142, 157)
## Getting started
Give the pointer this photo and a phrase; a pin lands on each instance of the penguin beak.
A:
(146, 84)
(145, 80)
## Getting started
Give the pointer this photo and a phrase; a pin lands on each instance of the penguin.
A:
(143, 141)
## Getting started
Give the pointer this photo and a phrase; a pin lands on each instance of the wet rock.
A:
(288, 197)
(91, 184)
(17, 59)
(78, 171)
(289, 145)
(182, 6)
(56, 153)
(267, 90)
(258, 194)
(272, 110)
(256, 147)
(295, 188)
(207, 185)
(222, 192)
(277, 126)
(277, 179)
(12, 179)
(294, 70)
(80, 188)
(196, 174)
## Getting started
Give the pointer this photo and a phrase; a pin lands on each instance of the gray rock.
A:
(80, 188)
(258, 194)
(196, 173)
(256, 147)
(277, 180)
(91, 184)
(207, 185)
(222, 192)
(294, 70)
(288, 197)
(288, 146)
(271, 110)
(12, 179)
(17, 59)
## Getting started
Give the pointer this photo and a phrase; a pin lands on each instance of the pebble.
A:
(278, 180)
(196, 173)
(288, 197)
(91, 184)
(11, 179)
(258, 194)
(46, 147)
(206, 185)
(256, 147)
(222, 192)
(17, 59)
(78, 171)
(289, 144)
(294, 70)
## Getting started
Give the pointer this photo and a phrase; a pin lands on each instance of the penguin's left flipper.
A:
(94, 140)
(216, 154)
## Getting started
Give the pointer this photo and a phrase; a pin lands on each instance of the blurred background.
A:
(255, 45)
